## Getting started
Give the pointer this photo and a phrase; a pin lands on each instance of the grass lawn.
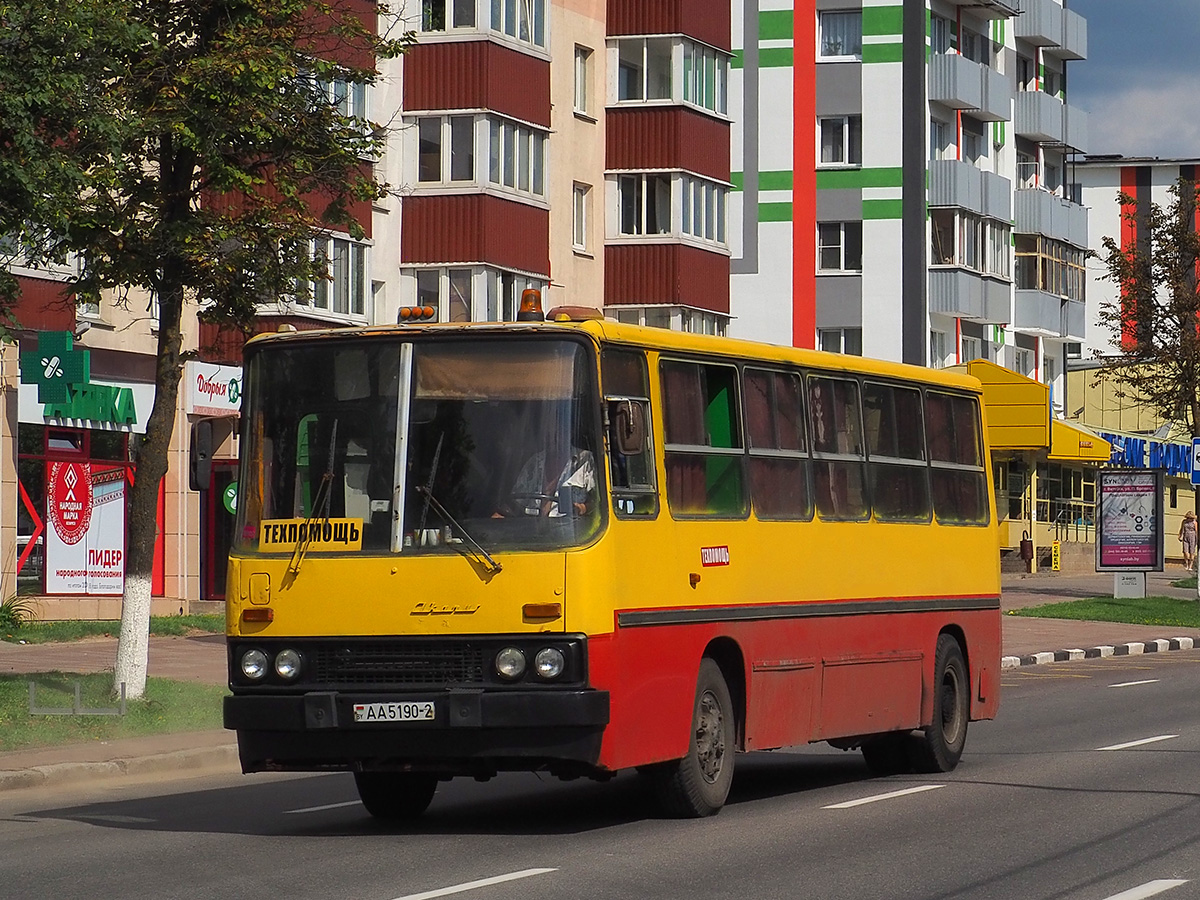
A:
(77, 629)
(168, 706)
(1130, 610)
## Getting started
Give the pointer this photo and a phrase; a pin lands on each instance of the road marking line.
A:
(1135, 683)
(864, 800)
(1149, 889)
(471, 885)
(308, 809)
(1142, 742)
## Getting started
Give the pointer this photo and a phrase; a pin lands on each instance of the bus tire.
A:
(697, 785)
(888, 754)
(940, 745)
(396, 796)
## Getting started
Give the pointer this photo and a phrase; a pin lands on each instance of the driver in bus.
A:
(554, 476)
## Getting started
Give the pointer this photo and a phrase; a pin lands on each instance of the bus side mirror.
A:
(629, 427)
(201, 450)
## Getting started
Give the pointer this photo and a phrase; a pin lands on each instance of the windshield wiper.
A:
(473, 549)
(324, 497)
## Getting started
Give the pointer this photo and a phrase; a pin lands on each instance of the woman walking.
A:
(1187, 537)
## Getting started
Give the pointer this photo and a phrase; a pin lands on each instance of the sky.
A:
(1140, 83)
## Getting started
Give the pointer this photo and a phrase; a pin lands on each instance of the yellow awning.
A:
(1017, 408)
(1073, 443)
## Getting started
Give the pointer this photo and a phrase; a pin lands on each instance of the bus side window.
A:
(838, 458)
(630, 448)
(897, 472)
(703, 453)
(960, 487)
(779, 467)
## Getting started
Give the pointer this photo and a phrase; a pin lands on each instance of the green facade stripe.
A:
(882, 53)
(774, 181)
(738, 180)
(883, 209)
(882, 20)
(776, 25)
(774, 212)
(856, 179)
(739, 59)
(775, 57)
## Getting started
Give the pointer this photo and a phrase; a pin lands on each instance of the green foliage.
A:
(15, 613)
(77, 629)
(1166, 611)
(1155, 354)
(168, 706)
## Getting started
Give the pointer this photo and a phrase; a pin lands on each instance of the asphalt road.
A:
(1085, 788)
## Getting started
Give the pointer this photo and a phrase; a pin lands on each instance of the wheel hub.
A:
(710, 737)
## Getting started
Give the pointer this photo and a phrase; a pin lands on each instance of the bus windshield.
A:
(424, 446)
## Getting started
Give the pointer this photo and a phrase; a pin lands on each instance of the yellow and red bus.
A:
(575, 546)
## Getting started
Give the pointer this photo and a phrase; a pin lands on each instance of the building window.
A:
(439, 15)
(445, 149)
(972, 348)
(705, 77)
(581, 200)
(960, 238)
(698, 321)
(583, 75)
(974, 142)
(840, 340)
(937, 349)
(1026, 74)
(644, 202)
(644, 69)
(841, 35)
(516, 157)
(349, 98)
(1022, 361)
(503, 294)
(521, 20)
(1027, 171)
(679, 318)
(344, 289)
(703, 209)
(841, 140)
(839, 246)
(975, 46)
(671, 69)
(940, 34)
(1044, 264)
(939, 139)
(449, 291)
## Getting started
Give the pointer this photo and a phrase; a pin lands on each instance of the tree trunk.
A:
(133, 645)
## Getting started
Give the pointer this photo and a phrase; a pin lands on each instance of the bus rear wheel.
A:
(941, 743)
(698, 784)
(395, 796)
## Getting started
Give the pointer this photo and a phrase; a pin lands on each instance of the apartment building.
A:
(904, 180)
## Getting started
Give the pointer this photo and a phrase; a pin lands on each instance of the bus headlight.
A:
(254, 665)
(549, 663)
(510, 663)
(287, 664)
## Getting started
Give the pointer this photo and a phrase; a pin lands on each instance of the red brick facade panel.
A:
(334, 47)
(666, 273)
(703, 20)
(668, 137)
(477, 75)
(475, 228)
(42, 305)
(224, 346)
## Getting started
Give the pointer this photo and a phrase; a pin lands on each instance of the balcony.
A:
(955, 81)
(1040, 23)
(991, 9)
(1074, 41)
(1039, 117)
(1049, 315)
(1040, 212)
(969, 295)
(997, 97)
(953, 182)
(1075, 128)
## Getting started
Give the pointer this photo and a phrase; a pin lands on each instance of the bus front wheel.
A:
(395, 796)
(698, 784)
(940, 746)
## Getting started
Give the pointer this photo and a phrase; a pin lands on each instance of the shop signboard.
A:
(1129, 532)
(212, 390)
(85, 540)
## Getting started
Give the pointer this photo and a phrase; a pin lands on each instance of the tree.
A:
(1154, 323)
(190, 153)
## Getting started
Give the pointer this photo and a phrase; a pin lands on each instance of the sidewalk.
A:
(1025, 641)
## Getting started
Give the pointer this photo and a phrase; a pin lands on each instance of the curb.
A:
(1134, 648)
(207, 760)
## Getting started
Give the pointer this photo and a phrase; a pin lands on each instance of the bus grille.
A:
(399, 663)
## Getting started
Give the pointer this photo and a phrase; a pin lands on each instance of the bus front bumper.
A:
(471, 731)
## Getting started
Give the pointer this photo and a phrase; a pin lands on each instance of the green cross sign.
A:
(55, 366)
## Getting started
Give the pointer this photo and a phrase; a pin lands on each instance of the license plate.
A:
(416, 711)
